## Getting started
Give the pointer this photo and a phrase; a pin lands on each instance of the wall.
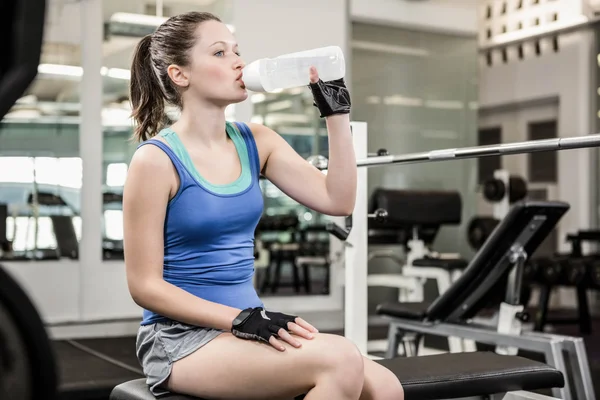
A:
(558, 78)
(567, 73)
(418, 92)
(265, 29)
(444, 16)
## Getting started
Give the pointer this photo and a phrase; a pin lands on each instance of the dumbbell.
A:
(556, 271)
(542, 270)
(576, 271)
(531, 271)
(594, 273)
(494, 189)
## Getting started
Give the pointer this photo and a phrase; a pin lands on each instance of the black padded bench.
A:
(444, 376)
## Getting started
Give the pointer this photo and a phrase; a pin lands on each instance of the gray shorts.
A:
(160, 344)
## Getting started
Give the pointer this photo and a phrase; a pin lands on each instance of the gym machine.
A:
(356, 256)
(497, 268)
(356, 322)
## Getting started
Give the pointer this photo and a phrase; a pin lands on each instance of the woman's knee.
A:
(341, 358)
(383, 386)
(391, 389)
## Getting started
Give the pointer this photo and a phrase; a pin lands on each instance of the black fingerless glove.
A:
(331, 97)
(260, 324)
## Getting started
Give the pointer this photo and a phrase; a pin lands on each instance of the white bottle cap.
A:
(251, 77)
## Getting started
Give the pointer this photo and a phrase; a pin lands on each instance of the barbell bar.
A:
(531, 146)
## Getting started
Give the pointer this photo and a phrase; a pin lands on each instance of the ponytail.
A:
(150, 88)
(146, 93)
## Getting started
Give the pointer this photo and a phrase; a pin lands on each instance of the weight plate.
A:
(21, 29)
(15, 370)
(27, 358)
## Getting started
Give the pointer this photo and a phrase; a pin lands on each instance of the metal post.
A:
(518, 257)
(90, 148)
(556, 359)
(355, 294)
(582, 379)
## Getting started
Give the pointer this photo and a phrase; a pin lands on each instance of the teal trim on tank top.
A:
(237, 186)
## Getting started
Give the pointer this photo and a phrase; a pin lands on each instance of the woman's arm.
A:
(146, 193)
(331, 194)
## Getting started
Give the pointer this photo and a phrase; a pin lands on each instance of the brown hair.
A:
(150, 86)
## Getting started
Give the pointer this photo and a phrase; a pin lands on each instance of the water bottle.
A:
(292, 70)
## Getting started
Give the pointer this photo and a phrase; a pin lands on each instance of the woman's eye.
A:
(219, 53)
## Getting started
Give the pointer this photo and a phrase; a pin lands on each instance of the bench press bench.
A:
(494, 273)
(484, 375)
(444, 376)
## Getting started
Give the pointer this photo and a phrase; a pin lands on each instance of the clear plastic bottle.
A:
(292, 70)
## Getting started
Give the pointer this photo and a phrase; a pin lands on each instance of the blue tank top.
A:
(209, 229)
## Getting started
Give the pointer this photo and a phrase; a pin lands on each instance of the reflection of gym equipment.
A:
(52, 206)
(302, 248)
(64, 231)
(498, 266)
(314, 253)
(269, 234)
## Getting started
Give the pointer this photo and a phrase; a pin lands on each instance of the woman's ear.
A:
(178, 75)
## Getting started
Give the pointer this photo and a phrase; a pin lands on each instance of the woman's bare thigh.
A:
(233, 368)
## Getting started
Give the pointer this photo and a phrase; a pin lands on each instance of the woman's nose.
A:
(239, 63)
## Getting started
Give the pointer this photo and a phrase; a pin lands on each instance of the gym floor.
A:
(90, 368)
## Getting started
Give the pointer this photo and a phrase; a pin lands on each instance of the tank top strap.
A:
(251, 146)
(181, 170)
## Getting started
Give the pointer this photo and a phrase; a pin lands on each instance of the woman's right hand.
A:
(271, 327)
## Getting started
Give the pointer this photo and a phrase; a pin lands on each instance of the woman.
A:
(191, 204)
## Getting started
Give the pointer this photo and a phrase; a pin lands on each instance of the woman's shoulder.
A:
(150, 155)
(258, 131)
